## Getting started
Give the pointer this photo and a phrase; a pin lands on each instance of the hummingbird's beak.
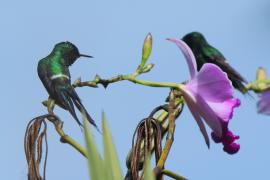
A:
(83, 55)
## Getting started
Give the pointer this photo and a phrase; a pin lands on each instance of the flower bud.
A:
(77, 81)
(45, 103)
(147, 48)
(261, 74)
(147, 68)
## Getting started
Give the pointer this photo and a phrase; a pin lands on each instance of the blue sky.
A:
(113, 32)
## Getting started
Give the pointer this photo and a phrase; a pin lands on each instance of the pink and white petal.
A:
(190, 58)
(192, 107)
(225, 109)
(212, 84)
(204, 110)
(209, 115)
(263, 105)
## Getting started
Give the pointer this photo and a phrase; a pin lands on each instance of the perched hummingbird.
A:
(54, 73)
(205, 53)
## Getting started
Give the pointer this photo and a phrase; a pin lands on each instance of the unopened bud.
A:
(261, 74)
(45, 103)
(147, 48)
(77, 81)
(97, 77)
(147, 68)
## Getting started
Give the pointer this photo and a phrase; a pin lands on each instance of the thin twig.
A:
(64, 138)
(130, 77)
(172, 175)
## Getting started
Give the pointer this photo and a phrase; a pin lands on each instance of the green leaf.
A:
(110, 155)
(95, 163)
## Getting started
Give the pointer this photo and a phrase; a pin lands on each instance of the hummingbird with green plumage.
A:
(205, 53)
(53, 71)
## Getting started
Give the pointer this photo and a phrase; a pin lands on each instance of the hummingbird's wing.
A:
(55, 88)
(237, 80)
(61, 90)
(45, 79)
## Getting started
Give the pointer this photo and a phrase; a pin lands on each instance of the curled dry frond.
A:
(147, 134)
(33, 145)
(34, 139)
(146, 140)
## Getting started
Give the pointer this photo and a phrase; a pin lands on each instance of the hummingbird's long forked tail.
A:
(68, 98)
(84, 113)
(76, 100)
(239, 85)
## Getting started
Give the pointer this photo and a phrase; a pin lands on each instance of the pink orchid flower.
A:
(209, 96)
(263, 105)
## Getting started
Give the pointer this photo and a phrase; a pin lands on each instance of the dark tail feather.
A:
(239, 85)
(84, 112)
(69, 105)
(79, 105)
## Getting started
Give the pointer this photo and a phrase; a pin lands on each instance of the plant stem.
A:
(152, 83)
(169, 138)
(172, 175)
(131, 78)
(64, 138)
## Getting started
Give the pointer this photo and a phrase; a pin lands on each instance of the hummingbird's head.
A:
(69, 52)
(194, 39)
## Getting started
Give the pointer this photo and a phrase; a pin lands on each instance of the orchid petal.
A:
(209, 115)
(224, 110)
(191, 61)
(192, 107)
(212, 84)
(204, 110)
(263, 104)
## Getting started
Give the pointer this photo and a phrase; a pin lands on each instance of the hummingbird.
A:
(53, 71)
(205, 53)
